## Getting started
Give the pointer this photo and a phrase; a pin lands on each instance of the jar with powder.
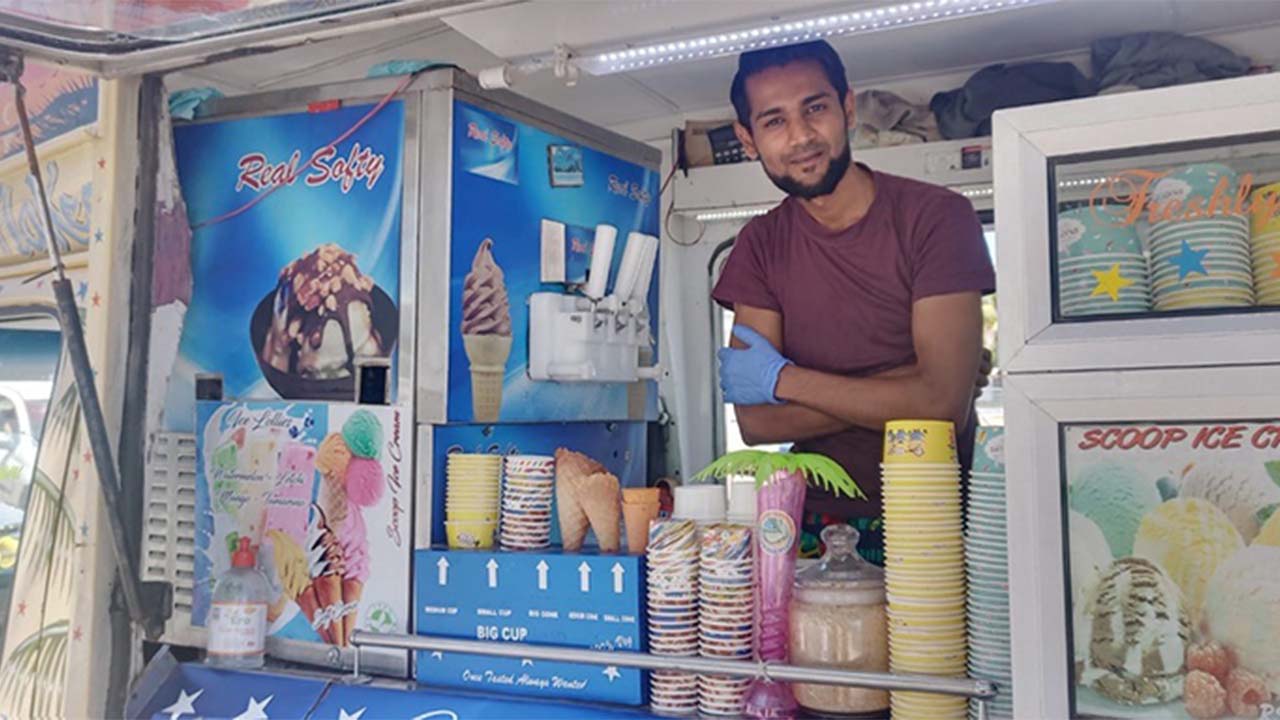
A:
(838, 619)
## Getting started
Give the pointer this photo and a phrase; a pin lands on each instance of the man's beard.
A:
(825, 184)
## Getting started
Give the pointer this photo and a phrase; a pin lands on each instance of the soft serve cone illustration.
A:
(486, 332)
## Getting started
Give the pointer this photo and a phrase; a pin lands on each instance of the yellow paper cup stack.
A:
(1264, 227)
(924, 563)
(472, 489)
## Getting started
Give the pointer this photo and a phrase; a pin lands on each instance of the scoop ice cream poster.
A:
(290, 291)
(1174, 555)
(320, 491)
(504, 187)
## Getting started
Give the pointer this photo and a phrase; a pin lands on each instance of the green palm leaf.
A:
(49, 533)
(65, 414)
(37, 669)
(819, 470)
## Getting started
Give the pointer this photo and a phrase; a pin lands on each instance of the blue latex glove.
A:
(750, 376)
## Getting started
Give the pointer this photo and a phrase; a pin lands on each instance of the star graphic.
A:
(97, 299)
(1110, 282)
(1189, 260)
(526, 662)
(1276, 257)
(83, 292)
(88, 456)
(84, 529)
(102, 163)
(22, 608)
(97, 236)
(77, 633)
(344, 715)
(612, 673)
(75, 473)
(255, 710)
(437, 655)
(184, 705)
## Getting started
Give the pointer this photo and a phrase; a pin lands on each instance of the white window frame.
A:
(1026, 139)
(1036, 406)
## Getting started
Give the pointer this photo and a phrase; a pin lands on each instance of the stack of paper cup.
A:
(528, 487)
(1200, 262)
(1097, 253)
(471, 499)
(987, 567)
(924, 563)
(672, 563)
(1265, 240)
(726, 612)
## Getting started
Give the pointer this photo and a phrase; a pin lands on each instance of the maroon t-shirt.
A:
(846, 296)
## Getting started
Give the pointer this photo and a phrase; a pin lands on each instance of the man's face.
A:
(799, 128)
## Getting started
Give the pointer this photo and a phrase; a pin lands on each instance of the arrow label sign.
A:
(442, 575)
(584, 576)
(542, 574)
(493, 572)
(618, 572)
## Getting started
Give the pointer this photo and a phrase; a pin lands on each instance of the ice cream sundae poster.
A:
(503, 189)
(322, 491)
(295, 255)
(1173, 533)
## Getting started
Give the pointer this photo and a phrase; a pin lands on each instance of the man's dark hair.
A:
(757, 61)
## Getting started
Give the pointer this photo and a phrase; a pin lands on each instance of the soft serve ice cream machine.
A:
(589, 333)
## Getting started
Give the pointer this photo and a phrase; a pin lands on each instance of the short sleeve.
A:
(746, 274)
(950, 252)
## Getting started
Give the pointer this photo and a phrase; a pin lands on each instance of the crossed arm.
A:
(947, 334)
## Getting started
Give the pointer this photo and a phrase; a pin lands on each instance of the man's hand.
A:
(749, 376)
(984, 374)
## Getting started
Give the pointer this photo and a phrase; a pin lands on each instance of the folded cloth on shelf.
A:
(886, 119)
(1157, 59)
(966, 111)
(404, 67)
(183, 104)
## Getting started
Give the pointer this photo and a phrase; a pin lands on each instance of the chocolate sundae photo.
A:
(322, 316)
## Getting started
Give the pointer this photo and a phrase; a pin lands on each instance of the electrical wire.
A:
(314, 155)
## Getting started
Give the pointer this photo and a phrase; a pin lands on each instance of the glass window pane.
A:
(28, 361)
(1174, 544)
(1185, 230)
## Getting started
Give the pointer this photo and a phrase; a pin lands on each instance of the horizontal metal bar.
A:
(980, 689)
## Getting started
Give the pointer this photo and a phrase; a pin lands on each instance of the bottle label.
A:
(237, 628)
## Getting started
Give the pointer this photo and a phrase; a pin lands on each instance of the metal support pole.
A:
(980, 689)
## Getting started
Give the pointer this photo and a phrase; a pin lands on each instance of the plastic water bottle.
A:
(238, 616)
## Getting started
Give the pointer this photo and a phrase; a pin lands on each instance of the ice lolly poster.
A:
(295, 255)
(322, 491)
(508, 177)
(1174, 558)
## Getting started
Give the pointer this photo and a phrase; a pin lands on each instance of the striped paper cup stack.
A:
(924, 563)
(1265, 242)
(672, 564)
(726, 609)
(987, 568)
(529, 484)
(1200, 262)
(1101, 268)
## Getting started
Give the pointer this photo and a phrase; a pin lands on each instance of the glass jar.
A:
(838, 619)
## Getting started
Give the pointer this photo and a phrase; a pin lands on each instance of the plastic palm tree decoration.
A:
(819, 470)
(780, 488)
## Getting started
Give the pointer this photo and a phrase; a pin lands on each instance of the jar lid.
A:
(842, 577)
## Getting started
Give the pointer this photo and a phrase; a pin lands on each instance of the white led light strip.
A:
(786, 33)
(734, 214)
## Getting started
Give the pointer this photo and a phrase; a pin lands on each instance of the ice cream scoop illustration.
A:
(1242, 610)
(322, 317)
(1116, 496)
(1138, 635)
(486, 332)
(1239, 489)
(1188, 538)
